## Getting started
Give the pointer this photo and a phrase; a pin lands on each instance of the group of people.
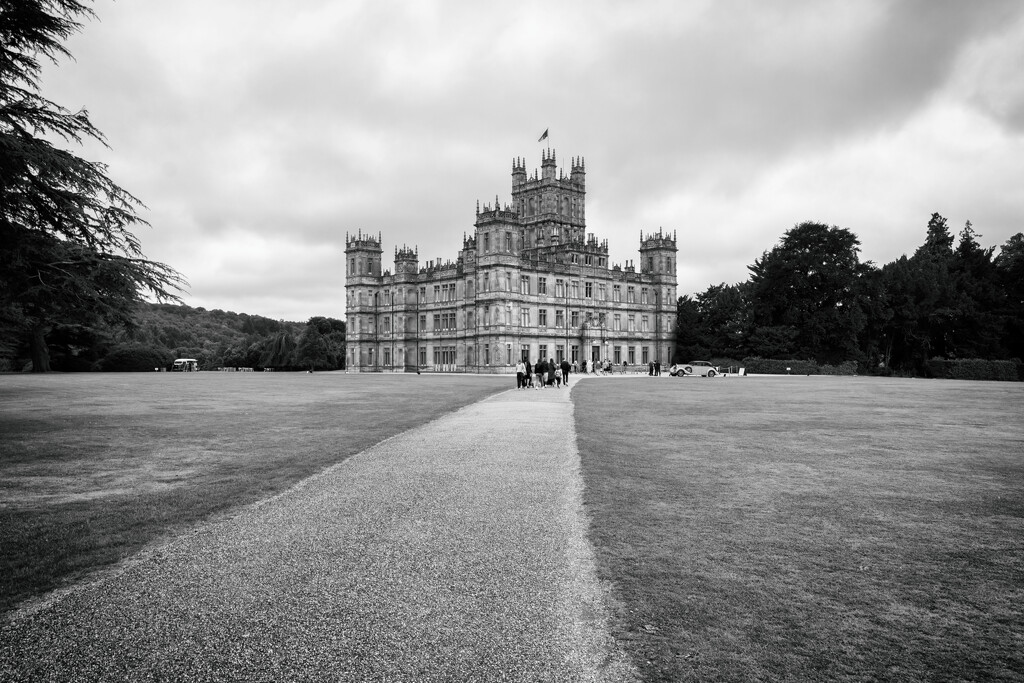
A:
(546, 373)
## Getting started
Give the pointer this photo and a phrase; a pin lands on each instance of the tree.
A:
(67, 250)
(979, 323)
(312, 351)
(1010, 270)
(278, 352)
(688, 332)
(807, 290)
(723, 313)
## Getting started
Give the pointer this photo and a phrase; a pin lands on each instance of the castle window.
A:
(631, 295)
(508, 281)
(508, 242)
(560, 288)
(602, 292)
(650, 263)
(575, 289)
(645, 324)
(631, 323)
(487, 242)
(542, 351)
(542, 317)
(588, 289)
(588, 260)
(643, 295)
(632, 355)
(524, 284)
(617, 322)
(542, 285)
(559, 318)
(617, 293)
(600, 261)
(576, 258)
(524, 317)
(437, 322)
(645, 355)
(575, 319)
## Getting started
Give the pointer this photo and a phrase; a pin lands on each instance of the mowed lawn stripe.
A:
(809, 528)
(95, 466)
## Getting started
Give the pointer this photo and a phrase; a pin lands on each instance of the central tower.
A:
(552, 207)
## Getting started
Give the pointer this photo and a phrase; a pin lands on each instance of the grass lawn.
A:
(809, 528)
(95, 466)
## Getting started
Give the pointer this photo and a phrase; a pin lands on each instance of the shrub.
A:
(973, 368)
(770, 366)
(135, 358)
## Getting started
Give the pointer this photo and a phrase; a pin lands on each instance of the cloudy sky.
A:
(259, 132)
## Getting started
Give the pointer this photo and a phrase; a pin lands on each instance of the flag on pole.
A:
(544, 136)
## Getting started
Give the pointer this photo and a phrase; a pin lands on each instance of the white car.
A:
(697, 368)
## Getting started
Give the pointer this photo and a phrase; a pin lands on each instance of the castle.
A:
(530, 283)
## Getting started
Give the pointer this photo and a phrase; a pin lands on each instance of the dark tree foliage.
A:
(805, 291)
(688, 332)
(313, 351)
(67, 250)
(1010, 273)
(723, 314)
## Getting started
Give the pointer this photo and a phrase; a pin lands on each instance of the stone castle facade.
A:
(529, 283)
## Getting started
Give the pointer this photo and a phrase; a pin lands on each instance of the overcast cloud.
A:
(258, 133)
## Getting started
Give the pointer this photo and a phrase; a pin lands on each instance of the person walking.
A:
(551, 372)
(529, 375)
(565, 372)
(539, 369)
(520, 375)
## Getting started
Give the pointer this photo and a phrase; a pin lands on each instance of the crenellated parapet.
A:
(658, 240)
(361, 241)
(439, 267)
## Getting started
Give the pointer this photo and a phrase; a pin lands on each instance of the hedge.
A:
(974, 368)
(770, 366)
(135, 358)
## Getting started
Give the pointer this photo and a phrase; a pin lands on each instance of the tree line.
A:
(811, 298)
(156, 334)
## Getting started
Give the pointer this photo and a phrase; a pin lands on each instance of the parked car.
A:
(698, 368)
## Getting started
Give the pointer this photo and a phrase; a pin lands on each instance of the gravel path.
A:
(455, 551)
